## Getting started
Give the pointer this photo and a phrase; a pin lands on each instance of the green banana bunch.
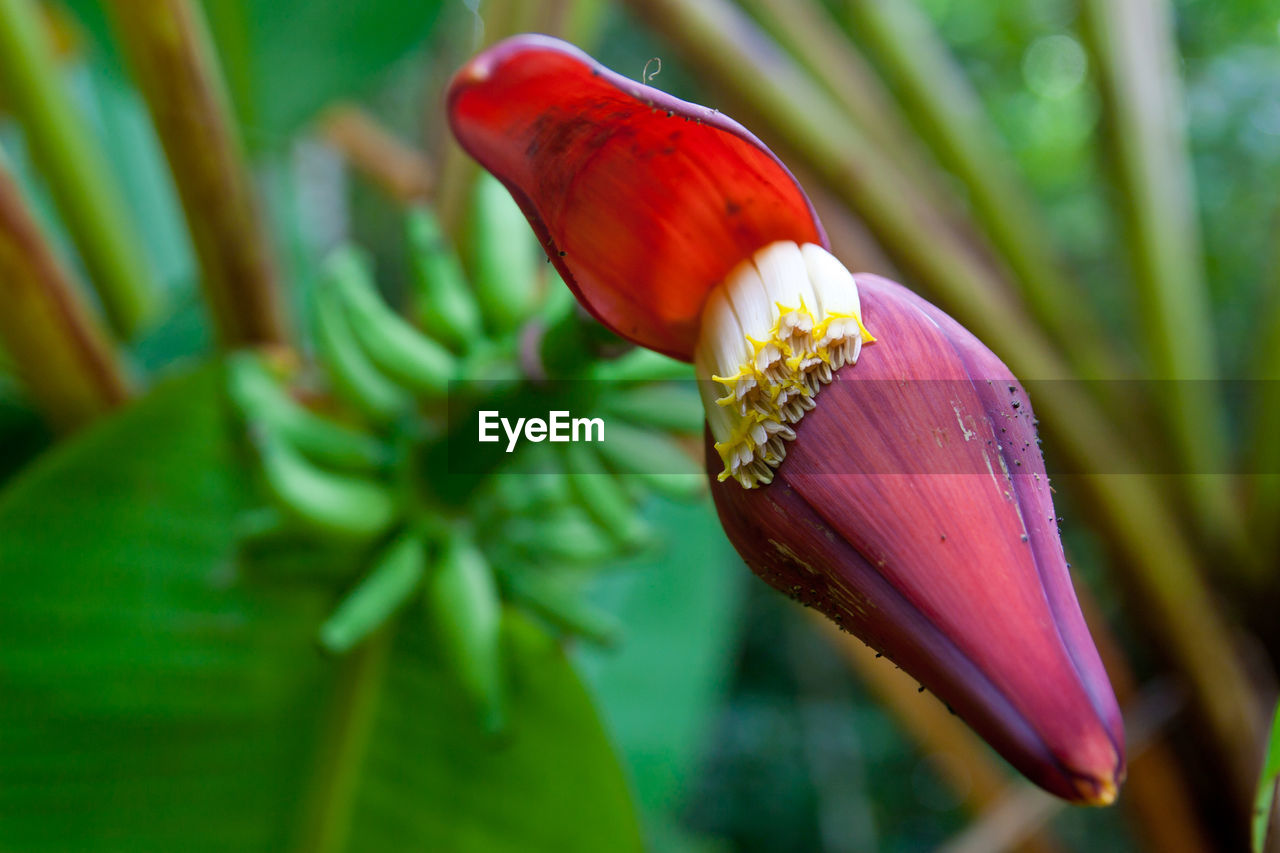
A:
(396, 573)
(330, 504)
(465, 612)
(569, 507)
(401, 352)
(260, 398)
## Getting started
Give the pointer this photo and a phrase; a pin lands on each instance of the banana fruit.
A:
(466, 614)
(353, 375)
(395, 575)
(443, 302)
(502, 256)
(561, 606)
(330, 504)
(400, 351)
(261, 399)
(603, 497)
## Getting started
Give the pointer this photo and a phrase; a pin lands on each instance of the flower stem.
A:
(174, 66)
(61, 353)
(81, 183)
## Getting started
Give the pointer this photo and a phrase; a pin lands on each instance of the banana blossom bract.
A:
(898, 486)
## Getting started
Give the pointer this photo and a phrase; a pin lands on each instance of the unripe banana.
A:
(259, 398)
(532, 492)
(397, 348)
(502, 256)
(673, 406)
(640, 365)
(564, 535)
(655, 460)
(353, 375)
(561, 606)
(465, 612)
(334, 505)
(602, 496)
(443, 302)
(395, 574)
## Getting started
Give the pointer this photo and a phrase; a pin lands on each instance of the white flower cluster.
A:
(773, 333)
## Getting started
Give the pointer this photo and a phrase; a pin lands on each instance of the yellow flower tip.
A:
(1097, 792)
(867, 337)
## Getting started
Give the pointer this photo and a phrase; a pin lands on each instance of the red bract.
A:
(897, 487)
(643, 202)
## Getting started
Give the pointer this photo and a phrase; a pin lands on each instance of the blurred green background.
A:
(161, 682)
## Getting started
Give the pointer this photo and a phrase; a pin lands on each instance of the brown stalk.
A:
(398, 169)
(167, 45)
(64, 357)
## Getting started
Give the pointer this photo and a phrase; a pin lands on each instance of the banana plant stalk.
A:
(174, 66)
(81, 183)
(62, 354)
(1133, 46)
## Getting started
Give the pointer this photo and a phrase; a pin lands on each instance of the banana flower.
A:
(870, 457)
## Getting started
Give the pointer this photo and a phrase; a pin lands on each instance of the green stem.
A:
(1157, 557)
(174, 66)
(1132, 45)
(1264, 450)
(326, 817)
(79, 178)
(61, 353)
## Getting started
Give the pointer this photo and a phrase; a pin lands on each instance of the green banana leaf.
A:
(660, 689)
(156, 695)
